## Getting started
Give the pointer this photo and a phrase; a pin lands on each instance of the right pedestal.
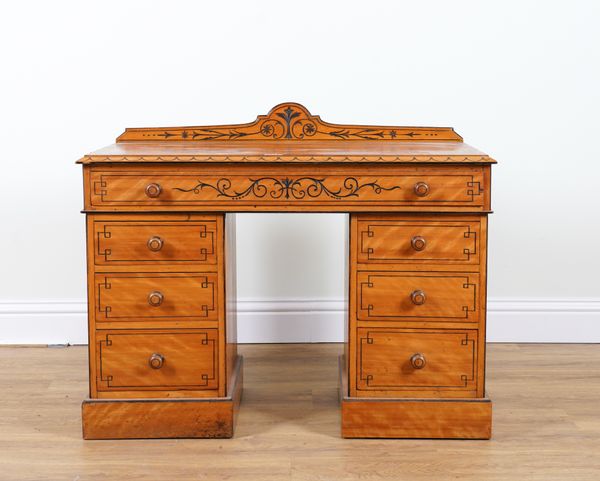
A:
(415, 359)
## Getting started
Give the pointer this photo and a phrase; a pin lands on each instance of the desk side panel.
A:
(230, 297)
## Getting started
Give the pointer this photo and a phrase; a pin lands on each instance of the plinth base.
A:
(467, 418)
(164, 418)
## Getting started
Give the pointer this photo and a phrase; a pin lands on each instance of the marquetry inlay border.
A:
(106, 313)
(415, 159)
(467, 281)
(274, 186)
(367, 381)
(208, 337)
(369, 252)
(206, 248)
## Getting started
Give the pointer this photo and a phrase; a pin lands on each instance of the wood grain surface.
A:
(384, 367)
(404, 301)
(450, 296)
(179, 301)
(189, 360)
(289, 133)
(239, 187)
(164, 418)
(229, 248)
(413, 417)
(289, 121)
(431, 419)
(155, 241)
(183, 296)
(286, 160)
(546, 424)
(311, 152)
(447, 240)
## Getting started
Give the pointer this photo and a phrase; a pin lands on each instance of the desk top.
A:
(289, 133)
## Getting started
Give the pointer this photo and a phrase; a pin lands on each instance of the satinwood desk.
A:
(159, 205)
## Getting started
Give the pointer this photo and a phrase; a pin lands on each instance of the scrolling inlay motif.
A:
(287, 188)
(289, 121)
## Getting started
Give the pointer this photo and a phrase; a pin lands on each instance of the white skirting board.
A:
(313, 320)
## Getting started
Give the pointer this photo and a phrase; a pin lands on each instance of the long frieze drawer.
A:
(161, 360)
(394, 360)
(453, 189)
(419, 241)
(155, 242)
(164, 297)
(427, 296)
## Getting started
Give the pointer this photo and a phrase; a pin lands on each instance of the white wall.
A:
(518, 79)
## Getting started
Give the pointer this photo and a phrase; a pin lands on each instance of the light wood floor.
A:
(546, 424)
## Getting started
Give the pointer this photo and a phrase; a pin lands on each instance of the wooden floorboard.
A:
(546, 424)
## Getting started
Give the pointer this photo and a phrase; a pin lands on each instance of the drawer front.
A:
(416, 241)
(412, 360)
(230, 190)
(157, 360)
(427, 296)
(155, 242)
(164, 297)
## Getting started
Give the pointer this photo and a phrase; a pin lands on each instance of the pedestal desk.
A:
(160, 206)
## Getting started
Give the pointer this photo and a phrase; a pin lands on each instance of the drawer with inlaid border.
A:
(127, 240)
(416, 362)
(238, 188)
(422, 296)
(157, 360)
(436, 240)
(126, 297)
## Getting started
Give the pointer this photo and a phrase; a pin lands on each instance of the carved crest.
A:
(289, 121)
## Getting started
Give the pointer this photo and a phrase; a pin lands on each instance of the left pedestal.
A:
(162, 326)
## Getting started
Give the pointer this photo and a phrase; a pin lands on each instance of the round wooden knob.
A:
(418, 297)
(153, 190)
(155, 243)
(155, 298)
(418, 361)
(418, 243)
(156, 361)
(421, 189)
